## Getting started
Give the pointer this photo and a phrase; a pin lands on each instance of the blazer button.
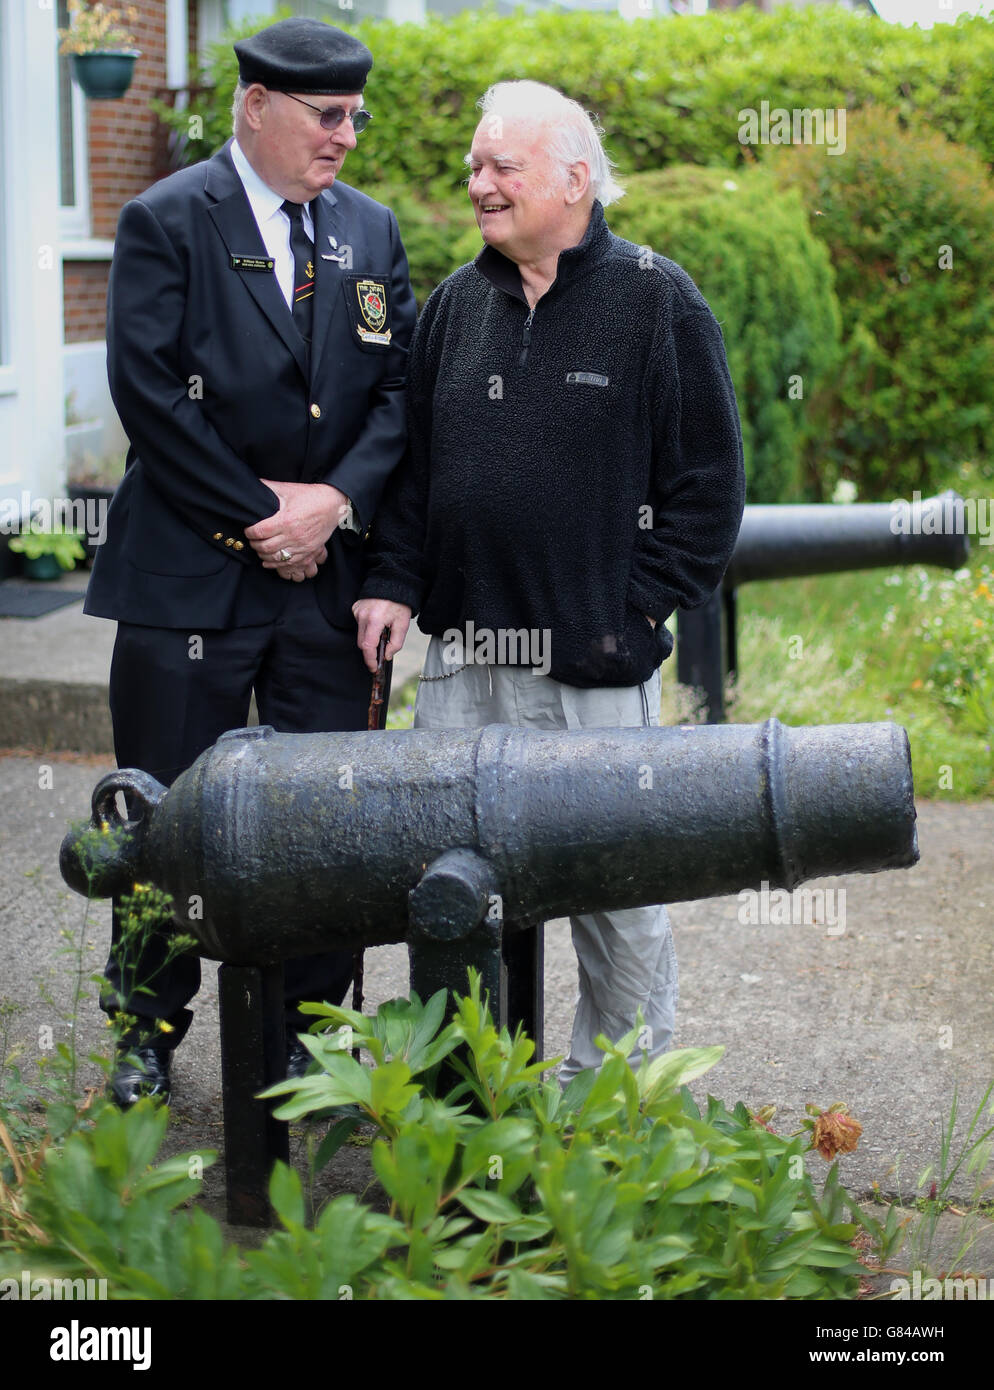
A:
(239, 545)
(230, 540)
(219, 535)
(316, 411)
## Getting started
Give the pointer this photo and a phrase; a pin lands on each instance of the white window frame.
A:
(74, 219)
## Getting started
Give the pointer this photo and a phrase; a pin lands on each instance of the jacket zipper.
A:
(526, 338)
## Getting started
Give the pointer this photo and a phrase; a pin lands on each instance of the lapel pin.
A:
(341, 258)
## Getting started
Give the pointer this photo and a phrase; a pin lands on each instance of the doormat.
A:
(21, 598)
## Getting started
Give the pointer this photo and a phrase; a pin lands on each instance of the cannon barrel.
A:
(292, 843)
(787, 541)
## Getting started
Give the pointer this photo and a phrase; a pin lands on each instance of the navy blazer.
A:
(210, 377)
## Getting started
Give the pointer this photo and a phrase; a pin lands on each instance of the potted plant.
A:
(48, 553)
(102, 49)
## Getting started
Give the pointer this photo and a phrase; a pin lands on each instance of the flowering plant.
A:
(97, 29)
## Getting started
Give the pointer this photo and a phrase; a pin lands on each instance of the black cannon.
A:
(789, 542)
(463, 843)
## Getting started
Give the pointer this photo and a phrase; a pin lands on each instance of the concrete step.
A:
(54, 674)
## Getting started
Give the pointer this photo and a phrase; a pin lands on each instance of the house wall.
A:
(31, 380)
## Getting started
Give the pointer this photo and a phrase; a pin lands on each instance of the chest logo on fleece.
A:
(586, 379)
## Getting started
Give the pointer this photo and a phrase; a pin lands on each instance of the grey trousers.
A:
(626, 959)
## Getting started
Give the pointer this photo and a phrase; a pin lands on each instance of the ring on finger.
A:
(284, 555)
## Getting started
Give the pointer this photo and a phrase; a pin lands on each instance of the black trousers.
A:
(172, 694)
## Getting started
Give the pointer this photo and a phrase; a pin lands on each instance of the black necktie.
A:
(303, 271)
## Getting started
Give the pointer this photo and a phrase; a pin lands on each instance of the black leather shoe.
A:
(298, 1059)
(140, 1071)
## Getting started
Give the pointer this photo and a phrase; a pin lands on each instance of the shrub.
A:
(915, 395)
(667, 90)
(768, 280)
(502, 1188)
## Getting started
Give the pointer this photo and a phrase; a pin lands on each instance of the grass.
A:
(913, 645)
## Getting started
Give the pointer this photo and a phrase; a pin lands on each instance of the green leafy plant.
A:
(499, 1185)
(65, 546)
(617, 1188)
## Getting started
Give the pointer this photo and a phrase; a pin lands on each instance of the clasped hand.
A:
(306, 517)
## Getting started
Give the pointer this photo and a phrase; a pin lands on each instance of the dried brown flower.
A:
(835, 1132)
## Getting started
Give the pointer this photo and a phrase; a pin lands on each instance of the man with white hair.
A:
(574, 473)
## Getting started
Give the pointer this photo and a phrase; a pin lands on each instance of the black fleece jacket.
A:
(573, 470)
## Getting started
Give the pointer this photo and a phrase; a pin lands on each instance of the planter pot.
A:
(42, 567)
(105, 76)
(96, 501)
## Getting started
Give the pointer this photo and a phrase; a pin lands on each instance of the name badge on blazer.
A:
(264, 263)
(369, 308)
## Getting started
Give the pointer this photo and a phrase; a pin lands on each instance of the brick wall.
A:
(85, 297)
(123, 153)
(122, 133)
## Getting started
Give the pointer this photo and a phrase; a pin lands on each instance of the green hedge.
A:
(915, 394)
(667, 90)
(769, 282)
(913, 397)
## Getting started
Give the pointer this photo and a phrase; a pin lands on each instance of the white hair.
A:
(574, 134)
(238, 105)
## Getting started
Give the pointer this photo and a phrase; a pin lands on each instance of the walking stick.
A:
(376, 720)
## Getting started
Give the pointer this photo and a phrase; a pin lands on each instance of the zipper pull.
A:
(526, 337)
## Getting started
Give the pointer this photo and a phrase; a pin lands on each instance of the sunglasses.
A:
(333, 116)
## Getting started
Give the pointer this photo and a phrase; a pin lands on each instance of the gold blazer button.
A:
(316, 411)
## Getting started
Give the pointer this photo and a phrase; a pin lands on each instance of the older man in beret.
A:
(259, 316)
(575, 474)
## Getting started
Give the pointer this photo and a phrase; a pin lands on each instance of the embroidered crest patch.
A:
(372, 298)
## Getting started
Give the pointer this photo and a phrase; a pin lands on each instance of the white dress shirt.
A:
(272, 221)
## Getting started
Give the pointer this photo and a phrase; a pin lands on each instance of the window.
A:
(74, 187)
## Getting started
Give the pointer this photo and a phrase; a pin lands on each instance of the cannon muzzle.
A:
(276, 845)
(786, 541)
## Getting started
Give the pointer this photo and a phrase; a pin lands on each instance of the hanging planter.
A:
(105, 76)
(102, 48)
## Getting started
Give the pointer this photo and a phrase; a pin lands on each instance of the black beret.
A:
(304, 55)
